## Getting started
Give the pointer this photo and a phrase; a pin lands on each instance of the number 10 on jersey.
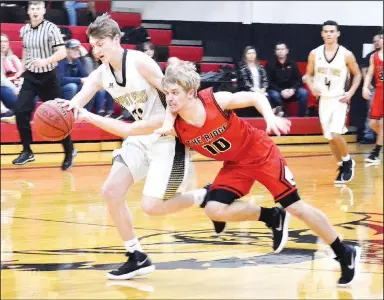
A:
(220, 145)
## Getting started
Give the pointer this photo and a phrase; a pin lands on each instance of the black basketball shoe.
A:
(138, 264)
(279, 229)
(373, 157)
(338, 179)
(349, 264)
(348, 170)
(219, 226)
(23, 158)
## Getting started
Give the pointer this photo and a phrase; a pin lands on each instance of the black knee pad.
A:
(289, 199)
(221, 196)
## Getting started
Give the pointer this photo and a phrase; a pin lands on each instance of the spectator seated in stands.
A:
(251, 75)
(285, 82)
(11, 65)
(7, 116)
(72, 75)
(72, 6)
(149, 49)
(8, 96)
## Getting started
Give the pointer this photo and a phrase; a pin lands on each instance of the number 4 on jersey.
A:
(327, 83)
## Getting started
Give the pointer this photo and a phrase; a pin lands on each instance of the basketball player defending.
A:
(207, 124)
(327, 77)
(134, 80)
(376, 116)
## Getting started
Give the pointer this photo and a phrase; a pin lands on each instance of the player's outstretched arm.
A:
(150, 70)
(368, 79)
(121, 128)
(229, 101)
(169, 121)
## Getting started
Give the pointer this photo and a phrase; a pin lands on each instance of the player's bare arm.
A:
(368, 79)
(355, 71)
(89, 89)
(228, 101)
(308, 78)
(121, 128)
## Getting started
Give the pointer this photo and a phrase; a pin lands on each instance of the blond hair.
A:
(184, 74)
(104, 26)
(9, 51)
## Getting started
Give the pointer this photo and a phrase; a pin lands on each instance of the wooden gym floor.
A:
(57, 241)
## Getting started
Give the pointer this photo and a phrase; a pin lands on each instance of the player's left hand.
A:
(82, 115)
(346, 98)
(278, 125)
(40, 62)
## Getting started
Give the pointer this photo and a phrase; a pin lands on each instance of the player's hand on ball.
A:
(278, 125)
(71, 106)
(82, 115)
(366, 93)
(165, 131)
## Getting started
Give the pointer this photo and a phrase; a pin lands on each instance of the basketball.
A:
(52, 121)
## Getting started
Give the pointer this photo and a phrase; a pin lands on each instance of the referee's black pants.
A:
(46, 86)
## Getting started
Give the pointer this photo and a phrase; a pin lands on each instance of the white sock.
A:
(133, 245)
(346, 158)
(198, 195)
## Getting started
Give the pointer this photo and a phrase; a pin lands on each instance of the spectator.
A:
(149, 49)
(285, 82)
(72, 6)
(7, 116)
(11, 65)
(369, 135)
(72, 75)
(252, 75)
(8, 93)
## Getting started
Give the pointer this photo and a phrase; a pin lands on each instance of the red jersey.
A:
(378, 64)
(224, 136)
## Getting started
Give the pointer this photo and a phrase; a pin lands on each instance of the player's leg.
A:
(129, 166)
(347, 255)
(166, 185)
(279, 180)
(222, 206)
(377, 126)
(337, 129)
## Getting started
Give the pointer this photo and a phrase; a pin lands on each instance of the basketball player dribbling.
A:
(376, 115)
(328, 71)
(206, 122)
(134, 81)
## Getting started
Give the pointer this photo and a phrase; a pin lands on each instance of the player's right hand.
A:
(70, 106)
(278, 125)
(316, 92)
(165, 131)
(366, 93)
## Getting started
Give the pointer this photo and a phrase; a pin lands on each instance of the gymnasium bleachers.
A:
(162, 39)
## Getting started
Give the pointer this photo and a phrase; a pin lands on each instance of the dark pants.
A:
(46, 86)
(301, 95)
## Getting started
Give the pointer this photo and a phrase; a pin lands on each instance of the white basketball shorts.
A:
(333, 116)
(164, 161)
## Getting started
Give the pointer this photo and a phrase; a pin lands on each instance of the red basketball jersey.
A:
(378, 63)
(223, 136)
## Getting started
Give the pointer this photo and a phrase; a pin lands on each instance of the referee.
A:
(43, 48)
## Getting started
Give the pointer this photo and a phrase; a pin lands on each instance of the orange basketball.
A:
(53, 122)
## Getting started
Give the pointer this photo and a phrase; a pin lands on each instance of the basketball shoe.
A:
(138, 263)
(279, 227)
(23, 158)
(373, 156)
(348, 170)
(68, 160)
(349, 264)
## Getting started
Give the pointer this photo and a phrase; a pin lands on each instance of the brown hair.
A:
(104, 26)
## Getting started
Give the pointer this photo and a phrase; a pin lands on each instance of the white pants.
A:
(164, 161)
(333, 116)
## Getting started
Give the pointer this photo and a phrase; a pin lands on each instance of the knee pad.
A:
(221, 196)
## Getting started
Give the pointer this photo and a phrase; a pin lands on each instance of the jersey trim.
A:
(124, 67)
(334, 56)
(215, 102)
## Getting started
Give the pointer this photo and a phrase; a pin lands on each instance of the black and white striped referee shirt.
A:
(39, 42)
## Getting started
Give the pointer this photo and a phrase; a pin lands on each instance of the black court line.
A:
(79, 223)
(196, 160)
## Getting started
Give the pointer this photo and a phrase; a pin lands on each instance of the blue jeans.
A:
(69, 90)
(8, 97)
(71, 7)
(301, 95)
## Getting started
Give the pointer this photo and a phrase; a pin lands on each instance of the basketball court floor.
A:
(58, 242)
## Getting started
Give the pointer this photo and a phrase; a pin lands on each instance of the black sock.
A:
(266, 215)
(377, 149)
(338, 247)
